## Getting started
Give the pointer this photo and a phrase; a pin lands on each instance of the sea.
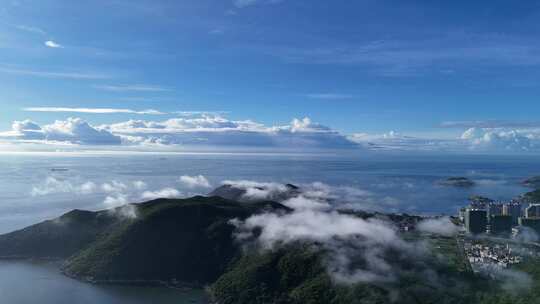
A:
(35, 187)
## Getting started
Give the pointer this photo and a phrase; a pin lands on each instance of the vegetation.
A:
(532, 197)
(58, 238)
(188, 241)
(191, 242)
(533, 182)
(297, 274)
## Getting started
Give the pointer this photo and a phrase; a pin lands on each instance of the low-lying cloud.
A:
(197, 181)
(347, 238)
(441, 226)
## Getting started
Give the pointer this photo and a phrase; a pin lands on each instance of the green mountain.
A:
(182, 240)
(532, 197)
(58, 238)
(532, 182)
(189, 241)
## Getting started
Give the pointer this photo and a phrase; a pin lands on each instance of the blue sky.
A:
(356, 67)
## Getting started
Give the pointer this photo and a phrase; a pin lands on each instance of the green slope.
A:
(190, 241)
(58, 238)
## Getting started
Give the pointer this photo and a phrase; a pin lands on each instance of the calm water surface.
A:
(40, 282)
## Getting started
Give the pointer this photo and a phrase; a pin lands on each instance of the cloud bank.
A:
(72, 130)
(212, 131)
(198, 131)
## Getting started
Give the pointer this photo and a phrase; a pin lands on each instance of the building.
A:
(500, 225)
(531, 222)
(533, 211)
(493, 210)
(476, 221)
(512, 209)
(461, 214)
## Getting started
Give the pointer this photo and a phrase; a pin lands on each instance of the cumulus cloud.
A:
(442, 226)
(197, 181)
(118, 196)
(116, 200)
(114, 187)
(252, 190)
(204, 131)
(52, 44)
(500, 139)
(163, 193)
(72, 130)
(475, 139)
(201, 130)
(218, 131)
(54, 185)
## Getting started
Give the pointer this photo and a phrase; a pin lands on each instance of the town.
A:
(498, 235)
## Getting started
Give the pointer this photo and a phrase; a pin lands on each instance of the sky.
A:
(378, 75)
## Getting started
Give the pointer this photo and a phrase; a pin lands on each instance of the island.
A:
(462, 182)
(532, 182)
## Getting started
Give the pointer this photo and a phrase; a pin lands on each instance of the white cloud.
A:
(345, 237)
(202, 130)
(76, 130)
(92, 110)
(31, 29)
(88, 188)
(315, 195)
(54, 185)
(198, 181)
(116, 200)
(163, 193)
(114, 187)
(441, 226)
(52, 74)
(501, 139)
(132, 87)
(218, 131)
(72, 130)
(139, 185)
(52, 44)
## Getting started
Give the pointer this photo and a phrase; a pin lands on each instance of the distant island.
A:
(457, 182)
(198, 243)
(533, 182)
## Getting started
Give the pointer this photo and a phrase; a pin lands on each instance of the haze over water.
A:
(35, 188)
